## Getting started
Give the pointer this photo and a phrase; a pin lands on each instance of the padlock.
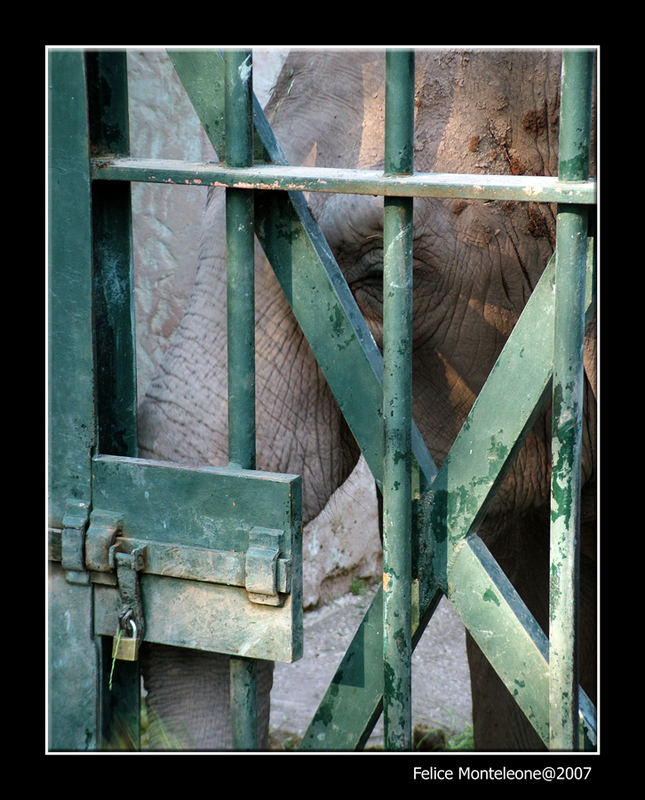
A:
(126, 648)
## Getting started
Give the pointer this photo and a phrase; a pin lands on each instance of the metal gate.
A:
(119, 525)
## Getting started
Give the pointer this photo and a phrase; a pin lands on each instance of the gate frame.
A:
(573, 192)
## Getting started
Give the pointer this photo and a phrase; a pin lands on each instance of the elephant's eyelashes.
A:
(374, 276)
(367, 277)
(368, 293)
(361, 264)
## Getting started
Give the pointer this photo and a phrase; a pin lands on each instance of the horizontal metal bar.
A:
(225, 503)
(206, 616)
(172, 560)
(534, 188)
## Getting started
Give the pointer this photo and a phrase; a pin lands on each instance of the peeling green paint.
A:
(574, 165)
(497, 450)
(490, 597)
(337, 320)
(325, 713)
(570, 301)
(275, 177)
(397, 397)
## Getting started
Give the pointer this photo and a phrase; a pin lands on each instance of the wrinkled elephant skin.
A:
(475, 265)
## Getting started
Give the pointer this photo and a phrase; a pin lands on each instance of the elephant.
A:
(475, 265)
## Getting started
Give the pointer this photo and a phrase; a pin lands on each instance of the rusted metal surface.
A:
(567, 399)
(534, 188)
(240, 316)
(398, 231)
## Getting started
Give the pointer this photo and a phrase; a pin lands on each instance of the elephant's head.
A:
(475, 265)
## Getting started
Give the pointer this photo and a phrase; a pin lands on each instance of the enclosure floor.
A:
(440, 680)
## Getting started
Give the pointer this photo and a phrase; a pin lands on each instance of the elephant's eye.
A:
(363, 264)
(363, 269)
(375, 273)
(353, 227)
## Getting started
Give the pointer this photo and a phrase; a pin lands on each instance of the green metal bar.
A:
(240, 266)
(568, 384)
(527, 188)
(114, 319)
(72, 655)
(241, 343)
(244, 703)
(203, 72)
(72, 432)
(115, 345)
(397, 407)
(113, 259)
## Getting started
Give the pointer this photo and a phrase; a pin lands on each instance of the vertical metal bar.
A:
(241, 343)
(568, 377)
(115, 348)
(116, 381)
(243, 699)
(72, 655)
(72, 430)
(397, 406)
(240, 264)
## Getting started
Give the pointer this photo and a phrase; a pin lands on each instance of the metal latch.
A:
(261, 566)
(128, 565)
(101, 535)
(109, 563)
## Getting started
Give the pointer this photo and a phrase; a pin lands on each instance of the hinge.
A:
(109, 560)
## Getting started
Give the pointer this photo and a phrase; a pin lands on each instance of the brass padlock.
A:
(126, 648)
